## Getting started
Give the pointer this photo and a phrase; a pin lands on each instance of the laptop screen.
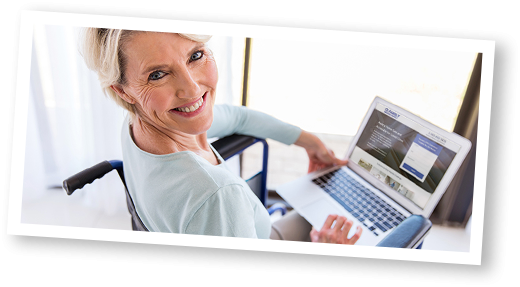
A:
(403, 154)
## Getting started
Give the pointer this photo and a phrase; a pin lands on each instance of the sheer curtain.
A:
(72, 125)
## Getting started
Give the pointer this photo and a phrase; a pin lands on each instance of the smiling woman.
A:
(177, 180)
(165, 73)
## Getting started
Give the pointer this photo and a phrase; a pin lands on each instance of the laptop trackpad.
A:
(317, 212)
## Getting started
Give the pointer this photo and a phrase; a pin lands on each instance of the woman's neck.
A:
(158, 141)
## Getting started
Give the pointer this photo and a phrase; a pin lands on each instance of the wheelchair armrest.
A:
(232, 145)
(408, 234)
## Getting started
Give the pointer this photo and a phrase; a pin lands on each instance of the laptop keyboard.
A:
(366, 206)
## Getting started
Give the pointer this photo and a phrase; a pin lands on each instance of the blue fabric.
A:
(407, 233)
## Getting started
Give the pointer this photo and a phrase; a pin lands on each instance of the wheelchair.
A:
(409, 234)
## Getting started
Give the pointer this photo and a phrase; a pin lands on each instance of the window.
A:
(229, 54)
(326, 89)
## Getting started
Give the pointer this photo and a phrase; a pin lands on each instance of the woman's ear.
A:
(121, 93)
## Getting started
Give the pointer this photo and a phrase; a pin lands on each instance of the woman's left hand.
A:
(319, 155)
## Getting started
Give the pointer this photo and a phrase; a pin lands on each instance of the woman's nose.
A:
(188, 86)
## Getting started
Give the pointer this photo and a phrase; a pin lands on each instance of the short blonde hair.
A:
(102, 51)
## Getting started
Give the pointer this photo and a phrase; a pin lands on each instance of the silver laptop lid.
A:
(406, 157)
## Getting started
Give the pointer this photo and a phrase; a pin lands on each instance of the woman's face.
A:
(171, 81)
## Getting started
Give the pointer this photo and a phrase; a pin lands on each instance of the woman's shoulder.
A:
(178, 173)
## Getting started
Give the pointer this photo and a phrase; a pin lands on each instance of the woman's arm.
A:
(229, 120)
(229, 212)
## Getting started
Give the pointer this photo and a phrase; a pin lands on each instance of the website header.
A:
(418, 127)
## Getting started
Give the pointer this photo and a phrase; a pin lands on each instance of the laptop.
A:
(398, 165)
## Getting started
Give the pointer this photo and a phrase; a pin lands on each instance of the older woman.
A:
(178, 182)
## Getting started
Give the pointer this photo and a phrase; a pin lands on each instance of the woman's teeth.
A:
(192, 108)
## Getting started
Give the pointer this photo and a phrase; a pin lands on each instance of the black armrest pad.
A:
(408, 233)
(233, 144)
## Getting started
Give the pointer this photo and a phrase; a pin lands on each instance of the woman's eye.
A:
(156, 75)
(195, 56)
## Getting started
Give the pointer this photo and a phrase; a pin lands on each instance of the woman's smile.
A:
(191, 109)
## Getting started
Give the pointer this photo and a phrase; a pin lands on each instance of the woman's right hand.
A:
(337, 234)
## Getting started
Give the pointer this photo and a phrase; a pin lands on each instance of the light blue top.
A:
(183, 193)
